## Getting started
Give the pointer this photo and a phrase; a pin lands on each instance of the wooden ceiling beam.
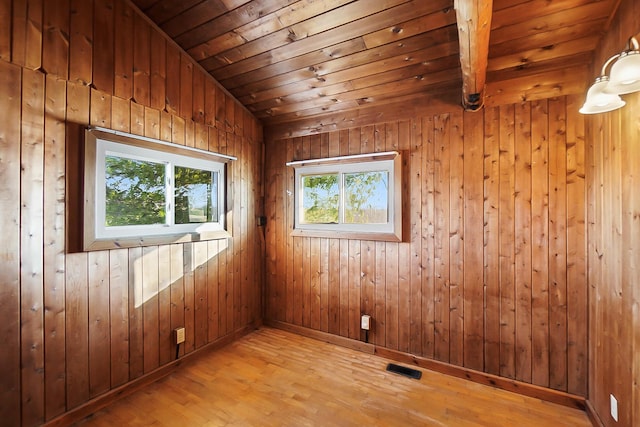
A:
(474, 26)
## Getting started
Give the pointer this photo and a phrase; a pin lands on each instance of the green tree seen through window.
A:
(320, 199)
(365, 201)
(366, 197)
(135, 192)
(195, 195)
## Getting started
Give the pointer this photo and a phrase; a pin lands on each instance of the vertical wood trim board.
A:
(491, 271)
(612, 162)
(10, 102)
(78, 325)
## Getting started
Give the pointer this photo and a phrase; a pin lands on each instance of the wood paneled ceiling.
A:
(287, 60)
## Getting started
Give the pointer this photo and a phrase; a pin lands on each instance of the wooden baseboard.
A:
(525, 389)
(593, 415)
(322, 336)
(79, 413)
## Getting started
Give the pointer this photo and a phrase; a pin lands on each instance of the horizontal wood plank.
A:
(288, 60)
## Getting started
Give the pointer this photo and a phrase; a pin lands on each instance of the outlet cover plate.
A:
(179, 335)
(614, 407)
(365, 322)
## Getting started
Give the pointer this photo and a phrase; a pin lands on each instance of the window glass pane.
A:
(366, 198)
(320, 197)
(196, 195)
(135, 192)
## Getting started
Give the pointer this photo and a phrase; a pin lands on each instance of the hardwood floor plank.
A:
(276, 378)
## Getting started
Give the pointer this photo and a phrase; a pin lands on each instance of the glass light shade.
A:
(625, 74)
(599, 101)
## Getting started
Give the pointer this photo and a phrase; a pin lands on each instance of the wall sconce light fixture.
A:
(604, 94)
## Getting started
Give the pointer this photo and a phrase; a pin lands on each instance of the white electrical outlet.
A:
(365, 322)
(614, 407)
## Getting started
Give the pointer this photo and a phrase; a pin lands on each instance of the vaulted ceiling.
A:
(288, 60)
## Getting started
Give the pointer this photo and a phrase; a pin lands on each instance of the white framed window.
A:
(355, 196)
(140, 191)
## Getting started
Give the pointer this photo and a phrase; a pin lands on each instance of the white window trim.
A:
(387, 161)
(100, 143)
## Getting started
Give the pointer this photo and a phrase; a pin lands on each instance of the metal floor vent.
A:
(403, 370)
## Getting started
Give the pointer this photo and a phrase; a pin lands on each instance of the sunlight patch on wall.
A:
(147, 282)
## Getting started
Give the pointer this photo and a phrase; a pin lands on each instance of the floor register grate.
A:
(403, 370)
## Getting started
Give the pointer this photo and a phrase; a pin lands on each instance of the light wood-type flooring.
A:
(276, 378)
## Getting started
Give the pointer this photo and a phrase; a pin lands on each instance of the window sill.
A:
(133, 242)
(354, 235)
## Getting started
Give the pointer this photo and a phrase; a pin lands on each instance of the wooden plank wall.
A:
(491, 272)
(76, 325)
(613, 180)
